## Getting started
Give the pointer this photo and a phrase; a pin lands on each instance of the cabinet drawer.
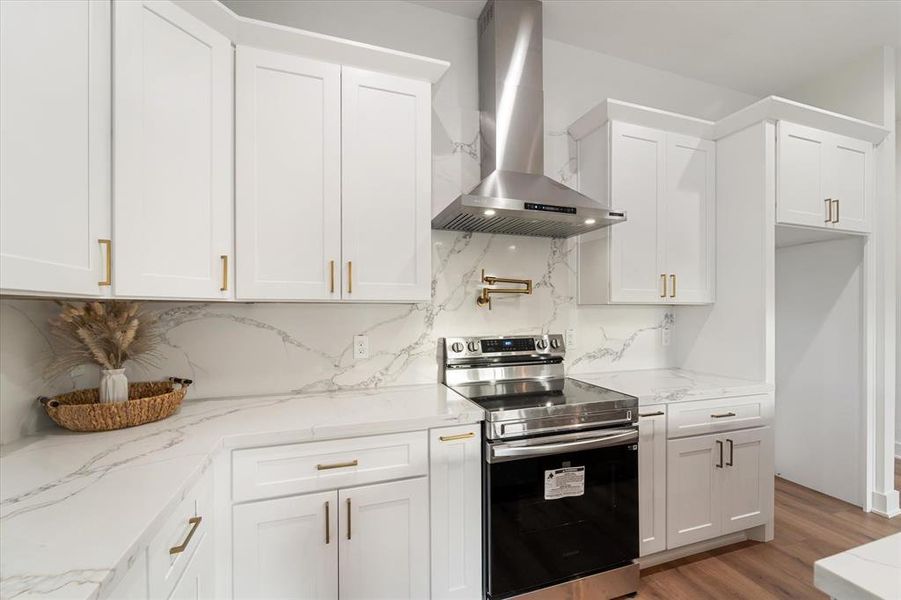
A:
(166, 559)
(301, 468)
(725, 414)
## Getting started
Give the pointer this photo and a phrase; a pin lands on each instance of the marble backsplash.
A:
(232, 349)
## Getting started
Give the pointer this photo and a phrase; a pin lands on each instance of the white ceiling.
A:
(756, 46)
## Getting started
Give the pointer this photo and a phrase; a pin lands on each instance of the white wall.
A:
(819, 370)
(241, 349)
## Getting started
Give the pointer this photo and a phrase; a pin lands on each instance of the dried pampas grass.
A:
(106, 334)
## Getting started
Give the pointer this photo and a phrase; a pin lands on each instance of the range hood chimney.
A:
(514, 196)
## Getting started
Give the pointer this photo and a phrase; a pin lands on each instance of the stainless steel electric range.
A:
(559, 470)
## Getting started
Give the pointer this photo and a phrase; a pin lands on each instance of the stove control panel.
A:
(498, 346)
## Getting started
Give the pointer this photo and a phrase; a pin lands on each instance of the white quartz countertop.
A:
(76, 508)
(660, 386)
(868, 572)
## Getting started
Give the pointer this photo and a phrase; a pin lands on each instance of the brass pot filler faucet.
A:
(484, 296)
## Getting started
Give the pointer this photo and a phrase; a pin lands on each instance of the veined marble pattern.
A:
(232, 349)
(75, 509)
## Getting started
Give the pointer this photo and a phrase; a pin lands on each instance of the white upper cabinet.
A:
(172, 200)
(824, 180)
(54, 146)
(288, 177)
(688, 226)
(386, 187)
(665, 251)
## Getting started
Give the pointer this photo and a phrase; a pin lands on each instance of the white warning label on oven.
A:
(563, 483)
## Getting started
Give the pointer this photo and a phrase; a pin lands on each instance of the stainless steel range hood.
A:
(514, 196)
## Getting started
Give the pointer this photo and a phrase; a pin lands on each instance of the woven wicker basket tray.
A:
(148, 401)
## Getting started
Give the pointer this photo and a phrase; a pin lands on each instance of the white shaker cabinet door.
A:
(54, 146)
(455, 478)
(199, 578)
(287, 548)
(288, 177)
(747, 491)
(386, 187)
(689, 222)
(637, 181)
(801, 198)
(652, 479)
(849, 181)
(172, 197)
(384, 533)
(694, 510)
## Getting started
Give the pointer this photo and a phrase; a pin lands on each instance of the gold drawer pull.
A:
(328, 537)
(352, 463)
(348, 518)
(331, 277)
(659, 413)
(459, 436)
(195, 523)
(109, 262)
(224, 286)
(723, 415)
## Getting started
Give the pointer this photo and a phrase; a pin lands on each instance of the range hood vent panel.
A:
(518, 197)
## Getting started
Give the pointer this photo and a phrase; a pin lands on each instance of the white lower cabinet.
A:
(199, 579)
(455, 478)
(384, 541)
(652, 479)
(287, 548)
(718, 484)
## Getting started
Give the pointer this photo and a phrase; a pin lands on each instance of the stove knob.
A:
(555, 343)
(472, 346)
(541, 344)
(457, 347)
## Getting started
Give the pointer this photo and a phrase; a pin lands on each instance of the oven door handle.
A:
(502, 452)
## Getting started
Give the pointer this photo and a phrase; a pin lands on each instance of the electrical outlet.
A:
(570, 338)
(666, 335)
(361, 346)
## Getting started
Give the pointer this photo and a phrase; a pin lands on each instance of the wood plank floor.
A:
(809, 526)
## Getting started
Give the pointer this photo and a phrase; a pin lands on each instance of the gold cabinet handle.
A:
(351, 463)
(672, 293)
(828, 202)
(195, 523)
(109, 262)
(348, 518)
(327, 525)
(659, 413)
(224, 287)
(459, 436)
(836, 211)
(350, 277)
(663, 279)
(723, 415)
(331, 277)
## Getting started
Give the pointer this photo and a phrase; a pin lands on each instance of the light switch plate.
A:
(361, 346)
(570, 338)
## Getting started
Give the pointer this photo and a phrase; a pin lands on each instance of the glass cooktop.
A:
(549, 396)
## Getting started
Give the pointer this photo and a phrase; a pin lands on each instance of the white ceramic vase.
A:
(113, 385)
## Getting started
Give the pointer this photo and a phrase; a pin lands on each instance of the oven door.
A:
(559, 508)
